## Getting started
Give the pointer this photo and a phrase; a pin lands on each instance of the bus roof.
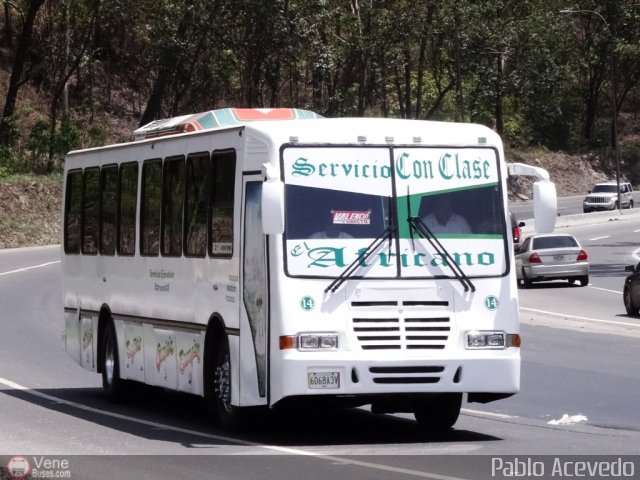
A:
(223, 117)
(315, 129)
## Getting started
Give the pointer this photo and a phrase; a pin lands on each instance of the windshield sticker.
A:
(345, 217)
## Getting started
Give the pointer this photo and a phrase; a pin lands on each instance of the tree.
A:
(16, 80)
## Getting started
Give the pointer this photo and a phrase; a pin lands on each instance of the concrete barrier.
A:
(581, 219)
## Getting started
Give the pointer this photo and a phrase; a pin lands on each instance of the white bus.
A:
(262, 257)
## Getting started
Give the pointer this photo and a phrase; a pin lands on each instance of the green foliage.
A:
(10, 125)
(97, 136)
(8, 161)
(67, 138)
(47, 151)
(38, 145)
(537, 76)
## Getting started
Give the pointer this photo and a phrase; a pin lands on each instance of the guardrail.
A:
(593, 218)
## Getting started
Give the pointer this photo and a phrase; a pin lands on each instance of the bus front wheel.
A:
(230, 417)
(439, 412)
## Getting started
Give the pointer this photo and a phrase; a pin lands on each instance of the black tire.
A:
(584, 280)
(438, 413)
(629, 306)
(230, 417)
(525, 281)
(114, 387)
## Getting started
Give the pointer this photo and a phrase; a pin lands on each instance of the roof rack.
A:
(223, 117)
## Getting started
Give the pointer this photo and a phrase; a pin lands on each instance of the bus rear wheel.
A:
(439, 412)
(230, 417)
(112, 384)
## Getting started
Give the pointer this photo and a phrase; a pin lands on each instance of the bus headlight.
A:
(305, 342)
(491, 339)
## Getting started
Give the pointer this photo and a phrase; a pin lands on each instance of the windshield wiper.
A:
(361, 258)
(426, 233)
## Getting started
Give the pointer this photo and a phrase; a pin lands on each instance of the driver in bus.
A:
(442, 218)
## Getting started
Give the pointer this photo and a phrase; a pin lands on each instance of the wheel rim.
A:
(222, 383)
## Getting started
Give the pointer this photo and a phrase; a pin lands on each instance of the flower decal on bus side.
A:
(187, 357)
(87, 339)
(133, 346)
(163, 351)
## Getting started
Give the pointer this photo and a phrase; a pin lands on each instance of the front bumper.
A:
(495, 371)
(602, 204)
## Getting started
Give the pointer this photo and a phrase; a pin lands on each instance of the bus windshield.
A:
(339, 199)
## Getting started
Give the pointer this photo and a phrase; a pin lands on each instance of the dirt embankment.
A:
(30, 211)
(572, 174)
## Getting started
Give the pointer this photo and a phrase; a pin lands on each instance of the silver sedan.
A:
(551, 256)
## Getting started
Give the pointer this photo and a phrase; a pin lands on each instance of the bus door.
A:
(253, 283)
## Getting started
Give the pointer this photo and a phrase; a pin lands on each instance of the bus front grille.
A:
(402, 325)
(406, 374)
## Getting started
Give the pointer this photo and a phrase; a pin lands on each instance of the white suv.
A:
(604, 197)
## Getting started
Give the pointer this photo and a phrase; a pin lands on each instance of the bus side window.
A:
(150, 207)
(108, 209)
(73, 205)
(172, 206)
(90, 211)
(128, 200)
(222, 193)
(195, 213)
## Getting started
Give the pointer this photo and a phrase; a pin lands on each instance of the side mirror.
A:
(273, 207)
(630, 268)
(545, 206)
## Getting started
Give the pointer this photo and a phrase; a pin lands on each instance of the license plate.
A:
(323, 380)
(558, 258)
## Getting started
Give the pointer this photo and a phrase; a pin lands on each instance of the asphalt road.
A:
(579, 357)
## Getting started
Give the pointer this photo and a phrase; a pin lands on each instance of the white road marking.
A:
(606, 290)
(28, 268)
(285, 450)
(599, 238)
(486, 414)
(636, 254)
(611, 322)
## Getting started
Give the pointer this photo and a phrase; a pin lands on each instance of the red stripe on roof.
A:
(251, 114)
